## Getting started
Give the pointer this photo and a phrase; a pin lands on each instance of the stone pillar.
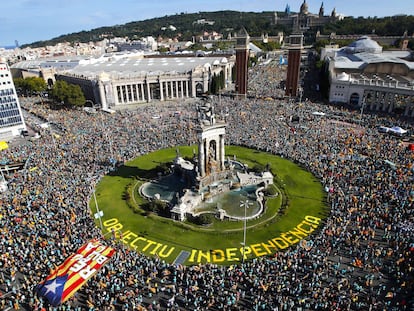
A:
(193, 89)
(115, 91)
(142, 92)
(207, 154)
(102, 95)
(222, 152)
(127, 91)
(133, 93)
(186, 89)
(148, 92)
(161, 91)
(201, 158)
(205, 82)
(172, 89)
(182, 88)
(167, 94)
(177, 93)
(136, 92)
(218, 152)
(121, 88)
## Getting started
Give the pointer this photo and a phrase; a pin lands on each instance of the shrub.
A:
(271, 190)
(205, 219)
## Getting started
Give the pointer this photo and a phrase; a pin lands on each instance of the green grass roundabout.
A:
(288, 219)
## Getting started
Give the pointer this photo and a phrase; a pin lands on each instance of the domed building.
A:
(304, 20)
(363, 75)
(364, 44)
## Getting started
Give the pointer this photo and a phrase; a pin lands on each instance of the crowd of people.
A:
(361, 258)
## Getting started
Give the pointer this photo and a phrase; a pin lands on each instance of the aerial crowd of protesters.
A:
(361, 258)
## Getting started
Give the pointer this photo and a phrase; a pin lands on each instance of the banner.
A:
(63, 281)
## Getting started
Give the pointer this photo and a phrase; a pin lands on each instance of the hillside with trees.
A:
(229, 22)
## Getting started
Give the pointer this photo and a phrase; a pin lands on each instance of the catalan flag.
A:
(63, 281)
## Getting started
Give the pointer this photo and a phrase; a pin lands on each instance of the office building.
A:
(11, 117)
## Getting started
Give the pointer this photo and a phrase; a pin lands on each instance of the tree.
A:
(30, 85)
(271, 190)
(269, 46)
(163, 49)
(215, 84)
(204, 219)
(197, 47)
(222, 80)
(68, 94)
(76, 97)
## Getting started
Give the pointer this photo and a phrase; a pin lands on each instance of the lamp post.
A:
(98, 213)
(362, 108)
(111, 151)
(246, 204)
(50, 130)
(2, 174)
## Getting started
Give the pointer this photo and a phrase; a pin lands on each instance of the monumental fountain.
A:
(210, 182)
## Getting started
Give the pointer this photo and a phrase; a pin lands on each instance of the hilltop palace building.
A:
(304, 20)
(120, 79)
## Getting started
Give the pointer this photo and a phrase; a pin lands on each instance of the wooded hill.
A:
(226, 22)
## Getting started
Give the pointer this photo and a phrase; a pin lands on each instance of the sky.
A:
(28, 21)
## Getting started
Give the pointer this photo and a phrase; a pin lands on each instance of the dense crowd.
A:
(361, 258)
(266, 80)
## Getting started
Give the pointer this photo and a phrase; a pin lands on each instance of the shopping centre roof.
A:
(123, 65)
(131, 67)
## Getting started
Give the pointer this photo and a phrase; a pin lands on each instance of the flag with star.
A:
(63, 281)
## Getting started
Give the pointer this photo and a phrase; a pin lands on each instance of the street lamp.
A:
(99, 213)
(246, 204)
(50, 130)
(107, 138)
(362, 108)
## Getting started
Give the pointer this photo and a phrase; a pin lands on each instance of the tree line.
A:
(189, 26)
(60, 92)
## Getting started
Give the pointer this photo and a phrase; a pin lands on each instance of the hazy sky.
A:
(32, 20)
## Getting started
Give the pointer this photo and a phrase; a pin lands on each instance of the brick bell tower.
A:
(293, 70)
(242, 58)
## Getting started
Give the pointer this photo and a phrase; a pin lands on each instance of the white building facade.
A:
(118, 79)
(11, 117)
(365, 76)
(112, 83)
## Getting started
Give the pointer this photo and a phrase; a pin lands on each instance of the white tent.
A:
(318, 113)
(397, 130)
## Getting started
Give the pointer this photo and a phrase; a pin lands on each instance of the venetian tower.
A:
(294, 54)
(242, 58)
